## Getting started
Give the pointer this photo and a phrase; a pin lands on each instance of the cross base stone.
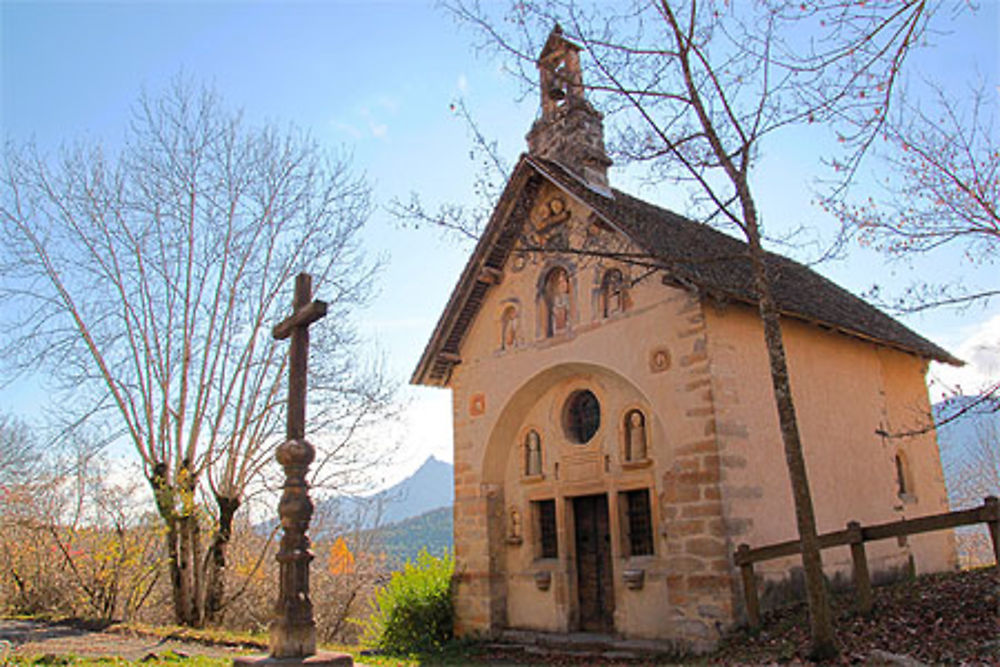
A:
(321, 659)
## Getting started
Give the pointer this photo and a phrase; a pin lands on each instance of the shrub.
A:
(413, 612)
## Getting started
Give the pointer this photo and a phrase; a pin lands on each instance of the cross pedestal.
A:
(293, 630)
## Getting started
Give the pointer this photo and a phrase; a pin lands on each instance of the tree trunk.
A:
(190, 570)
(183, 548)
(215, 559)
(820, 619)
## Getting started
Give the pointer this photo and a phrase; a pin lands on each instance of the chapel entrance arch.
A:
(573, 590)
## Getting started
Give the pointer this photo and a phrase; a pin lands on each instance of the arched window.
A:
(635, 436)
(612, 293)
(557, 297)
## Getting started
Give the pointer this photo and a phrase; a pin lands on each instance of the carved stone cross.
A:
(304, 313)
(293, 630)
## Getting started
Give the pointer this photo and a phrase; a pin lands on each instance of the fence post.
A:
(862, 581)
(991, 514)
(749, 585)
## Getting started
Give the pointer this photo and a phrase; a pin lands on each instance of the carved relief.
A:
(510, 324)
(477, 405)
(636, 439)
(612, 293)
(514, 528)
(532, 454)
(557, 301)
(551, 228)
(659, 360)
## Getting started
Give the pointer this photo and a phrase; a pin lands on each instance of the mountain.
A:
(431, 487)
(964, 444)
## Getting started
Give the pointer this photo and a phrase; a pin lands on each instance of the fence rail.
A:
(855, 536)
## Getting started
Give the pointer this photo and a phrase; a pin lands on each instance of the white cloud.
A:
(378, 129)
(980, 351)
(388, 102)
(346, 128)
(463, 83)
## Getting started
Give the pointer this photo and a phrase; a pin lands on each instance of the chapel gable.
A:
(548, 294)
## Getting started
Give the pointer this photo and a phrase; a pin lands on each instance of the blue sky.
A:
(378, 79)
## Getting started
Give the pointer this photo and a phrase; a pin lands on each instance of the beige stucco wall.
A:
(844, 390)
(716, 469)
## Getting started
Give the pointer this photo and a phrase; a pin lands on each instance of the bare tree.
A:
(694, 90)
(971, 455)
(146, 281)
(939, 189)
(18, 450)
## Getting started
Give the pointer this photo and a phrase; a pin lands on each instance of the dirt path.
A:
(35, 638)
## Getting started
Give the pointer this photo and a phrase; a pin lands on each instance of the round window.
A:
(582, 416)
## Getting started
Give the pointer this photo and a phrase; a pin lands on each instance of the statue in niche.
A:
(508, 328)
(514, 526)
(532, 454)
(635, 436)
(612, 293)
(557, 296)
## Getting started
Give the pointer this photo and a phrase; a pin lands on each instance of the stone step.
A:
(585, 644)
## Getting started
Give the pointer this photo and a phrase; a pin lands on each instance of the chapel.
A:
(615, 431)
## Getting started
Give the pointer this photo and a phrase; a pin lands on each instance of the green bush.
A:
(413, 612)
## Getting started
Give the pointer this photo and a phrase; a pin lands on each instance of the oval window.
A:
(582, 416)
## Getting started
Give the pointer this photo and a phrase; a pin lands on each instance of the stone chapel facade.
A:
(615, 430)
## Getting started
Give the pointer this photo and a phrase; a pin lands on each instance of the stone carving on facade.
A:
(612, 293)
(514, 528)
(551, 227)
(659, 360)
(635, 436)
(558, 301)
(510, 322)
(532, 454)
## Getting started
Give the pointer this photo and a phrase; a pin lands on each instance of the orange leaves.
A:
(341, 558)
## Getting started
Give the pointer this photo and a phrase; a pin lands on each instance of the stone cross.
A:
(304, 313)
(293, 630)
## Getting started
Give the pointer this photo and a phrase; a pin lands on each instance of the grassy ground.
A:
(947, 618)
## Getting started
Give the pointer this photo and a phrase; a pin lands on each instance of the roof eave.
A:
(933, 353)
(466, 282)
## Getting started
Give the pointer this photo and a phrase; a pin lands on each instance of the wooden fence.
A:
(855, 535)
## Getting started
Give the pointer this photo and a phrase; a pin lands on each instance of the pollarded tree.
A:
(146, 282)
(695, 90)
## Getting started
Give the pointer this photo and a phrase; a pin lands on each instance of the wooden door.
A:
(593, 563)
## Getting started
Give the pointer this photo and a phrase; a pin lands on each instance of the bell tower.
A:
(570, 131)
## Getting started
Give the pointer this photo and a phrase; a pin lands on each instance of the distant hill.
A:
(960, 440)
(402, 541)
(431, 487)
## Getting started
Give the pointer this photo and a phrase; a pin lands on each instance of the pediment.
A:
(524, 228)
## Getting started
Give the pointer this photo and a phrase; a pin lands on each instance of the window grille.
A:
(547, 540)
(640, 524)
